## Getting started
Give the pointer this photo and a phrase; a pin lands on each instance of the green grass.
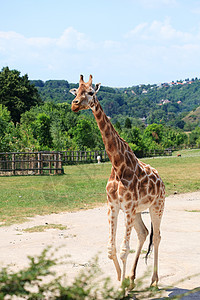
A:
(187, 152)
(180, 174)
(83, 186)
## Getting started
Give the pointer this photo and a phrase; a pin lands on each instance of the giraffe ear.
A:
(97, 87)
(73, 91)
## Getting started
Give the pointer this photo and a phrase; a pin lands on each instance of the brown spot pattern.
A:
(148, 169)
(118, 159)
(128, 196)
(122, 190)
(102, 125)
(151, 188)
(128, 174)
(128, 205)
(144, 181)
(107, 132)
(99, 115)
(111, 145)
(152, 177)
(112, 190)
(112, 175)
(128, 160)
(140, 172)
(125, 182)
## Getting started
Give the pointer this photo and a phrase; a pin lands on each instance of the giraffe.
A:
(133, 186)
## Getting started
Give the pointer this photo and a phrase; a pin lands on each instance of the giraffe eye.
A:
(90, 93)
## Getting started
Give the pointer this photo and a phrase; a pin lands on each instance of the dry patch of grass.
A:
(42, 228)
(194, 210)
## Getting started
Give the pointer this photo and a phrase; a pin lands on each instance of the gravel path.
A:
(87, 234)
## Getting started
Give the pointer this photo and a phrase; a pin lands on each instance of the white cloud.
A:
(71, 38)
(137, 30)
(161, 31)
(147, 52)
(10, 35)
(40, 42)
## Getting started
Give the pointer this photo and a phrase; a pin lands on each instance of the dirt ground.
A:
(87, 235)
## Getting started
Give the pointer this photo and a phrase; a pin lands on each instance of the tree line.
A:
(28, 123)
(163, 104)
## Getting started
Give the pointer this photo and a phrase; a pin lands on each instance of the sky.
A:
(120, 42)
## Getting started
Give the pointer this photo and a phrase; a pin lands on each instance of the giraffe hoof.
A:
(128, 283)
(154, 284)
(131, 284)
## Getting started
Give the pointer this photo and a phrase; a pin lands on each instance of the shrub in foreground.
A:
(38, 281)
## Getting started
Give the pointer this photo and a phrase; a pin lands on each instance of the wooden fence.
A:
(73, 157)
(46, 162)
(31, 163)
(154, 153)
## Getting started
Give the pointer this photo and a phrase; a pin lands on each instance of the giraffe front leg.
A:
(112, 219)
(125, 248)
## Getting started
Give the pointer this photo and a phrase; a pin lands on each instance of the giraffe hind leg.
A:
(156, 211)
(142, 233)
(150, 244)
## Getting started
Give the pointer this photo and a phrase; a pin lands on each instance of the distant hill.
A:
(193, 116)
(166, 103)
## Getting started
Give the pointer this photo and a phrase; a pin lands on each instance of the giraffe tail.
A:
(150, 243)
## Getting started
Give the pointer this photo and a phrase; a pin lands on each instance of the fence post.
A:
(54, 164)
(66, 156)
(72, 155)
(39, 163)
(80, 155)
(13, 163)
(59, 163)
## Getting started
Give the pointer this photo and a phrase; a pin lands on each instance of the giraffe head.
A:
(85, 95)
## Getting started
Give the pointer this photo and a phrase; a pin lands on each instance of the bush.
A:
(89, 284)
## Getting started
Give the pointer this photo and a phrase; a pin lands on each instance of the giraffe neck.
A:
(119, 152)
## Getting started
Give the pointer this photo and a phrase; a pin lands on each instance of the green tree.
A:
(128, 123)
(152, 136)
(61, 120)
(6, 129)
(42, 131)
(194, 136)
(4, 119)
(86, 135)
(16, 93)
(154, 131)
(118, 126)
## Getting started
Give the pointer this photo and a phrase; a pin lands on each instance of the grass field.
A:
(83, 186)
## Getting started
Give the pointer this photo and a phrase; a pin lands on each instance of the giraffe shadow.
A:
(175, 293)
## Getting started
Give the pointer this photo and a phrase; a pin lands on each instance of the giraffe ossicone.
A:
(132, 187)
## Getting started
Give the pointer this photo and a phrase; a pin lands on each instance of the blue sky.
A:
(119, 42)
